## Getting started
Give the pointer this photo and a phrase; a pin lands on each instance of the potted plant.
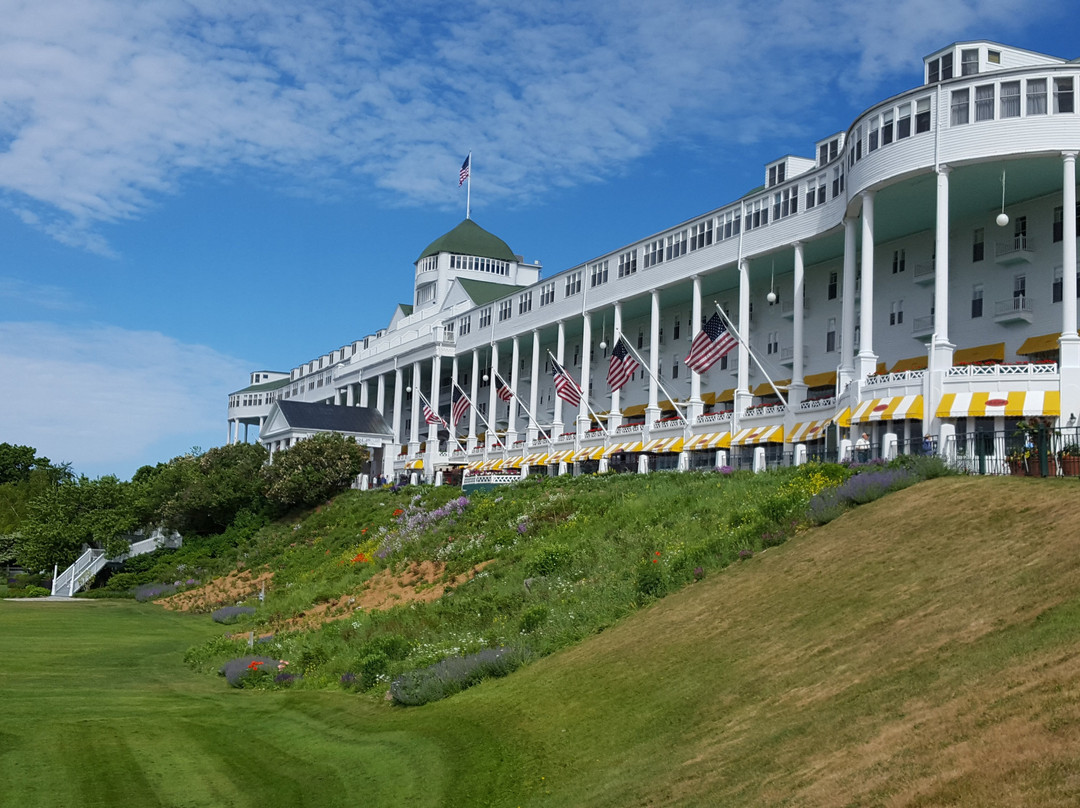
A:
(1069, 457)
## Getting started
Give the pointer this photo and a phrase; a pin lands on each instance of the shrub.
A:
(33, 591)
(547, 559)
(153, 591)
(231, 614)
(649, 580)
(453, 675)
(248, 670)
(532, 618)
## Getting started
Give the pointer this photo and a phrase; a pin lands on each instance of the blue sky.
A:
(194, 189)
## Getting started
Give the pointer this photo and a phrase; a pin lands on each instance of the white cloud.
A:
(106, 104)
(105, 399)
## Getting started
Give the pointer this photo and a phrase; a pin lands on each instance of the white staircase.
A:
(89, 564)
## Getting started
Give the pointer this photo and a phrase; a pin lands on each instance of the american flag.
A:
(504, 392)
(431, 416)
(565, 387)
(459, 409)
(622, 366)
(464, 175)
(712, 342)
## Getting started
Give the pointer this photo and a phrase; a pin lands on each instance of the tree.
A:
(16, 462)
(313, 470)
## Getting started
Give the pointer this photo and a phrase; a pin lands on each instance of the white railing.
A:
(1013, 305)
(714, 417)
(818, 404)
(79, 574)
(924, 268)
(894, 378)
(1026, 369)
(1018, 244)
(669, 423)
(772, 409)
(628, 429)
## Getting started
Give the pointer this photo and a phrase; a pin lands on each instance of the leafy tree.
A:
(64, 517)
(16, 462)
(313, 470)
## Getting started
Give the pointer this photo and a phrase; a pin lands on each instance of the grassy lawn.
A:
(922, 650)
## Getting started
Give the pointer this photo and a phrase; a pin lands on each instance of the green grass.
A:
(921, 650)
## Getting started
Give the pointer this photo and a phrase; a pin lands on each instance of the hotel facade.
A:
(914, 279)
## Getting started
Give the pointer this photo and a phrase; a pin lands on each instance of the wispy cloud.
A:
(105, 105)
(101, 397)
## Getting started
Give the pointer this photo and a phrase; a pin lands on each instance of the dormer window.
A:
(776, 174)
(969, 61)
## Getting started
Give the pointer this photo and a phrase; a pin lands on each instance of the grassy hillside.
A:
(921, 650)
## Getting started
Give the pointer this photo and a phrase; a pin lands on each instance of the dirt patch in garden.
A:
(228, 591)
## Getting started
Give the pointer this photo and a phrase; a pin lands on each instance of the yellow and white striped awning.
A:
(844, 418)
(415, 463)
(559, 456)
(808, 430)
(624, 446)
(896, 408)
(709, 440)
(759, 434)
(1017, 404)
(590, 453)
(514, 463)
(495, 465)
(662, 445)
(535, 459)
(475, 465)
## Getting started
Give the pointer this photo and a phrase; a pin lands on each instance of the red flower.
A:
(360, 558)
(398, 512)
(254, 664)
(363, 531)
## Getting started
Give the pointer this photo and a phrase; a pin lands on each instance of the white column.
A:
(652, 410)
(364, 399)
(560, 357)
(350, 395)
(399, 396)
(586, 348)
(695, 406)
(433, 429)
(941, 348)
(534, 386)
(742, 391)
(797, 388)
(867, 360)
(847, 310)
(414, 413)
(1069, 342)
(380, 394)
(493, 401)
(615, 418)
(474, 385)
(512, 409)
(230, 432)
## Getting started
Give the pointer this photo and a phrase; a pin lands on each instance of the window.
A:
(823, 154)
(837, 181)
(1063, 95)
(654, 253)
(772, 343)
(525, 302)
(701, 235)
(1010, 99)
(676, 245)
(1019, 287)
(1020, 233)
(547, 293)
(832, 288)
(640, 338)
(506, 309)
(976, 300)
(464, 325)
(959, 107)
(1058, 284)
(903, 121)
(485, 317)
(922, 115)
(830, 335)
(896, 313)
(732, 223)
(776, 174)
(946, 66)
(984, 102)
(933, 71)
(969, 61)
(872, 138)
(675, 328)
(573, 284)
(598, 273)
(899, 259)
(1059, 223)
(886, 127)
(977, 246)
(993, 57)
(1036, 96)
(627, 263)
(858, 142)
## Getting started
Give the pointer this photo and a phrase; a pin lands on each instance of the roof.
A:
(481, 292)
(333, 418)
(260, 388)
(469, 238)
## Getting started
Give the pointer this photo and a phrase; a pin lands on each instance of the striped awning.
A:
(827, 379)
(475, 465)
(535, 459)
(514, 463)
(559, 456)
(809, 430)
(709, 440)
(662, 445)
(625, 446)
(759, 434)
(1042, 344)
(495, 465)
(980, 353)
(1017, 404)
(415, 463)
(844, 418)
(591, 453)
(914, 363)
(896, 408)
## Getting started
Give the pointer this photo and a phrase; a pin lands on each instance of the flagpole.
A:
(490, 431)
(441, 421)
(645, 366)
(522, 405)
(584, 397)
(749, 350)
(468, 189)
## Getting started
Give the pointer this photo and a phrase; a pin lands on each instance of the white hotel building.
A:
(915, 277)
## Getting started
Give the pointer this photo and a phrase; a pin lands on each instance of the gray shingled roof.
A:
(334, 418)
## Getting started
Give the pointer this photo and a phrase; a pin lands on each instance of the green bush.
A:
(31, 591)
(532, 618)
(547, 559)
(649, 580)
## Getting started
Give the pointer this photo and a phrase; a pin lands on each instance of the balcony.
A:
(1018, 250)
(787, 309)
(925, 272)
(1013, 310)
(922, 328)
(787, 356)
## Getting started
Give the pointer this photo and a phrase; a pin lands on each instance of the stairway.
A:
(89, 564)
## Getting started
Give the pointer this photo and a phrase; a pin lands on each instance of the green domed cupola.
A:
(469, 238)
